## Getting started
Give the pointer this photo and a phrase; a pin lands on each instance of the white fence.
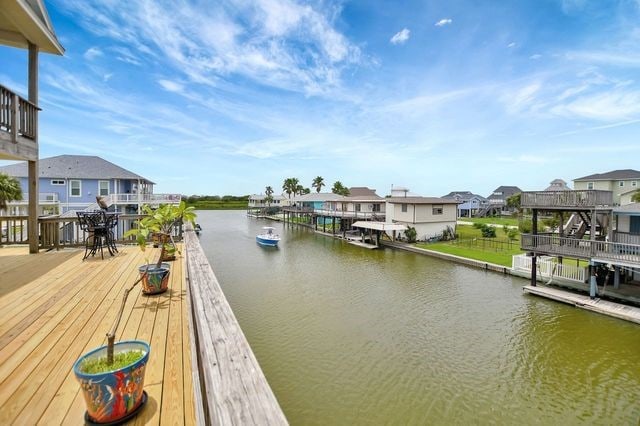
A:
(548, 268)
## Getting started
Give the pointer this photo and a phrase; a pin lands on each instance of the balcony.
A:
(567, 200)
(18, 118)
(43, 198)
(619, 253)
(152, 199)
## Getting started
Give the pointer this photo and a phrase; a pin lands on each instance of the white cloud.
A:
(401, 36)
(607, 105)
(521, 99)
(92, 53)
(512, 44)
(280, 44)
(443, 22)
(535, 56)
(171, 86)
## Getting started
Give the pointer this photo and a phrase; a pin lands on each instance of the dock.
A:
(605, 307)
(56, 307)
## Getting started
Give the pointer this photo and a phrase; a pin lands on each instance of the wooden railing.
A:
(230, 387)
(583, 249)
(625, 237)
(142, 198)
(581, 199)
(59, 232)
(17, 115)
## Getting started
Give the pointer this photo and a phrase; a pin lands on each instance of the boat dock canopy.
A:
(379, 226)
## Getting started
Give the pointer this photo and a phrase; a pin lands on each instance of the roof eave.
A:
(31, 29)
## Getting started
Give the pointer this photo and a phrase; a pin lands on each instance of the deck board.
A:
(62, 308)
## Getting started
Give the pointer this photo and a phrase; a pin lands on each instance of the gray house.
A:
(469, 203)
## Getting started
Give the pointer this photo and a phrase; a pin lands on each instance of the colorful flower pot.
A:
(117, 394)
(156, 280)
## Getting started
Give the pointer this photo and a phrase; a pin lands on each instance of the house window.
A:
(404, 208)
(634, 183)
(75, 188)
(437, 209)
(376, 208)
(57, 182)
(634, 225)
(103, 187)
(590, 185)
(621, 183)
(357, 207)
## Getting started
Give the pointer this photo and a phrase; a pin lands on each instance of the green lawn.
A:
(492, 250)
(512, 221)
(220, 205)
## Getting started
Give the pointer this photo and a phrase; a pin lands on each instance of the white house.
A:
(430, 216)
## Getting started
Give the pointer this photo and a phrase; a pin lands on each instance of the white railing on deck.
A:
(143, 198)
(548, 268)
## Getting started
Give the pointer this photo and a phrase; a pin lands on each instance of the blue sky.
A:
(229, 96)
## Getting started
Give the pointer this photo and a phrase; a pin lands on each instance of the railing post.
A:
(13, 120)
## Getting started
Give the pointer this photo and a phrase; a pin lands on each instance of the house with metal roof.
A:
(25, 24)
(469, 203)
(430, 216)
(70, 183)
(623, 184)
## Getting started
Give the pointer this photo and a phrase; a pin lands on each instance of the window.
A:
(103, 187)
(57, 182)
(357, 207)
(621, 183)
(590, 185)
(634, 225)
(404, 208)
(437, 209)
(634, 183)
(75, 188)
(376, 208)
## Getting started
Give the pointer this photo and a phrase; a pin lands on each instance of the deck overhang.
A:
(27, 22)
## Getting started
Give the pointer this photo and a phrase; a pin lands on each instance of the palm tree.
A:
(269, 192)
(318, 183)
(299, 190)
(340, 189)
(290, 186)
(9, 190)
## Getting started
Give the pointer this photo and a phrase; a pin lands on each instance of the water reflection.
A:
(353, 336)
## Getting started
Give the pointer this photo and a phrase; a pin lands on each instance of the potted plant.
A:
(160, 223)
(112, 377)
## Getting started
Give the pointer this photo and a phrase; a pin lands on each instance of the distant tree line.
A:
(195, 198)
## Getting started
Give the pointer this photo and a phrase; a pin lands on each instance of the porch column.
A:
(32, 221)
(616, 277)
(534, 232)
(593, 285)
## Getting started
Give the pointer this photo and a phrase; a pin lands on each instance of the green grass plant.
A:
(511, 221)
(219, 205)
(100, 365)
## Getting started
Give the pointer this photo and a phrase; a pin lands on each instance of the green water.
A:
(350, 336)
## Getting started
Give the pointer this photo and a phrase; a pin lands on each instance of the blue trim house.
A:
(70, 183)
(469, 203)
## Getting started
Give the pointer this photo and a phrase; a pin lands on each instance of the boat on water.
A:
(268, 238)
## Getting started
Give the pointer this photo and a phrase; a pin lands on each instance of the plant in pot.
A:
(160, 224)
(112, 377)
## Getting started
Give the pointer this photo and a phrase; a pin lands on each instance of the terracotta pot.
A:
(114, 395)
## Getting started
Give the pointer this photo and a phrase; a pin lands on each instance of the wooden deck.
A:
(56, 307)
(605, 307)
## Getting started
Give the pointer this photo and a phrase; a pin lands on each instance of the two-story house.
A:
(430, 216)
(622, 183)
(25, 25)
(70, 183)
(469, 203)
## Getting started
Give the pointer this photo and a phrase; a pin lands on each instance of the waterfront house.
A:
(497, 201)
(365, 203)
(469, 203)
(609, 238)
(622, 183)
(70, 183)
(25, 25)
(430, 216)
(259, 201)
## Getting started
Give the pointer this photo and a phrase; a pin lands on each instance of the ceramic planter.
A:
(156, 280)
(115, 395)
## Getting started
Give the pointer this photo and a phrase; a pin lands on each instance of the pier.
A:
(57, 307)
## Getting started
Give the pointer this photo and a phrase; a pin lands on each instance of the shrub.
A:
(411, 234)
(488, 232)
(525, 226)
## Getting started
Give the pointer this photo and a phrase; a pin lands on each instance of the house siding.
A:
(619, 192)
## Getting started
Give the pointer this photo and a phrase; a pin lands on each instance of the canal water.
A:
(350, 336)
